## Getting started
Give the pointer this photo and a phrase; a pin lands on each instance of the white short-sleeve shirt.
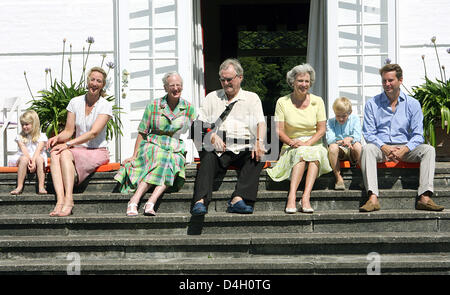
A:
(241, 122)
(84, 123)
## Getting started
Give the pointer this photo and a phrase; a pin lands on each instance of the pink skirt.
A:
(87, 160)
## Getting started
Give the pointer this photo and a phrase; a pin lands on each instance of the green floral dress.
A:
(161, 155)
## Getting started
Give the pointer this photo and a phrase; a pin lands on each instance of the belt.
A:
(237, 140)
(160, 132)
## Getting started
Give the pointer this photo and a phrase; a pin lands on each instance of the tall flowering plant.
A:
(51, 102)
(434, 96)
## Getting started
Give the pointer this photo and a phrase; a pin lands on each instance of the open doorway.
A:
(268, 37)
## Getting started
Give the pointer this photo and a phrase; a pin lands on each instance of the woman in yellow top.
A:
(301, 124)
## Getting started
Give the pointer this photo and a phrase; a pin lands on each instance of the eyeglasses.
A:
(227, 79)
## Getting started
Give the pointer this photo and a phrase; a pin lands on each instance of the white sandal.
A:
(149, 211)
(132, 209)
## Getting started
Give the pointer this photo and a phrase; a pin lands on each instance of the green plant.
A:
(434, 97)
(52, 102)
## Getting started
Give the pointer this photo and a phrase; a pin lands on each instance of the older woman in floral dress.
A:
(159, 153)
(301, 124)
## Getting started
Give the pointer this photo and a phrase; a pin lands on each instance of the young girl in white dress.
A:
(31, 155)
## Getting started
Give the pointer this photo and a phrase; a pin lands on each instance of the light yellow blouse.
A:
(299, 123)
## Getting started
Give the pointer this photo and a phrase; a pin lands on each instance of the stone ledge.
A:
(308, 264)
(221, 240)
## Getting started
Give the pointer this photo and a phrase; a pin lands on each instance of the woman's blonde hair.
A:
(101, 71)
(30, 117)
(342, 105)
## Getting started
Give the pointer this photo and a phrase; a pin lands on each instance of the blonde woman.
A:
(31, 156)
(81, 147)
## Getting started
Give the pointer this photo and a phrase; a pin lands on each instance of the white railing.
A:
(9, 118)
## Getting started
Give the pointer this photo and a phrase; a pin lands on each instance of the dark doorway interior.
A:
(268, 37)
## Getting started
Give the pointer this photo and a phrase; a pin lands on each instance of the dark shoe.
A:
(239, 207)
(429, 206)
(369, 207)
(199, 209)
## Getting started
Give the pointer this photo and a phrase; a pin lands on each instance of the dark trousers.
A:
(211, 165)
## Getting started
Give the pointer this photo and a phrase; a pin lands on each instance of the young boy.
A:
(343, 138)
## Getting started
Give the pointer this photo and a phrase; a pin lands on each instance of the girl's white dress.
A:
(31, 146)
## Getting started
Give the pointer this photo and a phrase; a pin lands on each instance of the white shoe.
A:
(148, 209)
(305, 210)
(132, 209)
(290, 210)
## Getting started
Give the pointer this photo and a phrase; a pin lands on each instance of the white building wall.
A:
(368, 31)
(31, 40)
(419, 21)
(32, 31)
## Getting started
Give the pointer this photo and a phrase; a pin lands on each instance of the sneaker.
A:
(199, 209)
(239, 207)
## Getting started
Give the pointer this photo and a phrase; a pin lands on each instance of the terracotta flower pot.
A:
(442, 144)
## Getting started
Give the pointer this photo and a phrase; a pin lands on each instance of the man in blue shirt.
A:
(393, 130)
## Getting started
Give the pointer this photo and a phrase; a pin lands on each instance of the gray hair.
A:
(167, 75)
(300, 69)
(233, 62)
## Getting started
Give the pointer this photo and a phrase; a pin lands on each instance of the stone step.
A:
(397, 178)
(221, 246)
(180, 202)
(345, 221)
(403, 264)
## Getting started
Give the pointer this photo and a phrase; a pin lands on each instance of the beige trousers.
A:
(424, 153)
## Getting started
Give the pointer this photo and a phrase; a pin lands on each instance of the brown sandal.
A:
(16, 192)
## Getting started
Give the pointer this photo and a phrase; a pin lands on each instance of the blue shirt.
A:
(383, 126)
(351, 128)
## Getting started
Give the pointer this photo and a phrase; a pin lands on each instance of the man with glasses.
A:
(238, 141)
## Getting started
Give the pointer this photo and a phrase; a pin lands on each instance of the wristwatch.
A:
(68, 145)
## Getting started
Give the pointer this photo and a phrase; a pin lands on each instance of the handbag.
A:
(200, 129)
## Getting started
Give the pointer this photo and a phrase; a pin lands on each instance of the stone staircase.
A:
(336, 239)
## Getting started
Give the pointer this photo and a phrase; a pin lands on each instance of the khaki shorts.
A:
(345, 154)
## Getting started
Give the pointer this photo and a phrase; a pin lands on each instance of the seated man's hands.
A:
(394, 153)
(400, 151)
(218, 143)
(258, 151)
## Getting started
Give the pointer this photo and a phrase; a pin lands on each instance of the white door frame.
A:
(333, 48)
(186, 57)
